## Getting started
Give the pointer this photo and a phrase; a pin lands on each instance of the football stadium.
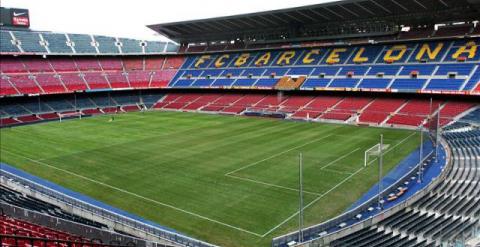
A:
(344, 123)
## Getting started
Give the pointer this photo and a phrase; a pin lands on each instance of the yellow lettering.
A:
(264, 59)
(308, 58)
(242, 59)
(470, 49)
(286, 57)
(358, 57)
(220, 60)
(334, 56)
(202, 60)
(390, 56)
(432, 54)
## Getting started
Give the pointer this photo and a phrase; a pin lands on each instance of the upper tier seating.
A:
(57, 43)
(30, 42)
(61, 43)
(434, 66)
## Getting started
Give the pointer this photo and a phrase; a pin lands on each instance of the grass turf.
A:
(231, 181)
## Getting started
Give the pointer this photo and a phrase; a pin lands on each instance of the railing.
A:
(148, 231)
(323, 227)
(25, 241)
(323, 241)
(85, 231)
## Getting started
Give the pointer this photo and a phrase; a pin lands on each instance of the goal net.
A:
(69, 115)
(374, 152)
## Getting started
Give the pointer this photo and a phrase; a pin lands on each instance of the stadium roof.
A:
(333, 18)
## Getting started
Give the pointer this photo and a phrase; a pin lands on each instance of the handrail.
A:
(144, 227)
(377, 218)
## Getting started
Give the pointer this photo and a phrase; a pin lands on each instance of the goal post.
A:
(69, 115)
(374, 152)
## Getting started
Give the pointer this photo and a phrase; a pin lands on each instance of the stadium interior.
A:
(385, 65)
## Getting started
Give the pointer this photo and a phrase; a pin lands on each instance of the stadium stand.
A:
(29, 110)
(60, 75)
(407, 71)
(14, 198)
(57, 43)
(448, 211)
(61, 43)
(299, 76)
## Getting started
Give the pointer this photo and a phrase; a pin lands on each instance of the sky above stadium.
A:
(128, 18)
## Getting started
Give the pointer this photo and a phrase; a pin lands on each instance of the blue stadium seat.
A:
(385, 69)
(82, 43)
(374, 83)
(408, 84)
(459, 69)
(154, 47)
(346, 82)
(316, 82)
(130, 45)
(421, 69)
(183, 83)
(300, 71)
(202, 83)
(266, 82)
(244, 82)
(6, 44)
(473, 80)
(223, 82)
(57, 43)
(448, 84)
(171, 47)
(106, 44)
(30, 41)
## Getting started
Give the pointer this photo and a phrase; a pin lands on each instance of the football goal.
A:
(69, 115)
(374, 152)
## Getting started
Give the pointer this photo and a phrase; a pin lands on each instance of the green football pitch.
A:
(232, 181)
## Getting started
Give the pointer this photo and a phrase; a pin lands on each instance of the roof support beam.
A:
(399, 5)
(335, 13)
(261, 24)
(366, 10)
(319, 14)
(380, 6)
(444, 3)
(423, 6)
(305, 15)
(349, 11)
(267, 20)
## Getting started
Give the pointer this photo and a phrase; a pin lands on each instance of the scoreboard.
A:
(10, 17)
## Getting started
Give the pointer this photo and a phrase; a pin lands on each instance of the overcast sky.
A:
(128, 18)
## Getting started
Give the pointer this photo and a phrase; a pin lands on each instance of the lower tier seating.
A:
(450, 210)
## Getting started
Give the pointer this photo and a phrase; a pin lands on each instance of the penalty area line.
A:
(277, 154)
(134, 194)
(272, 185)
(313, 202)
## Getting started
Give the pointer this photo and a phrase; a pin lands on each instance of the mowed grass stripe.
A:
(181, 159)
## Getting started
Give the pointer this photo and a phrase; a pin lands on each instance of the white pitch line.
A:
(340, 172)
(312, 202)
(278, 154)
(272, 185)
(340, 158)
(343, 181)
(135, 195)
